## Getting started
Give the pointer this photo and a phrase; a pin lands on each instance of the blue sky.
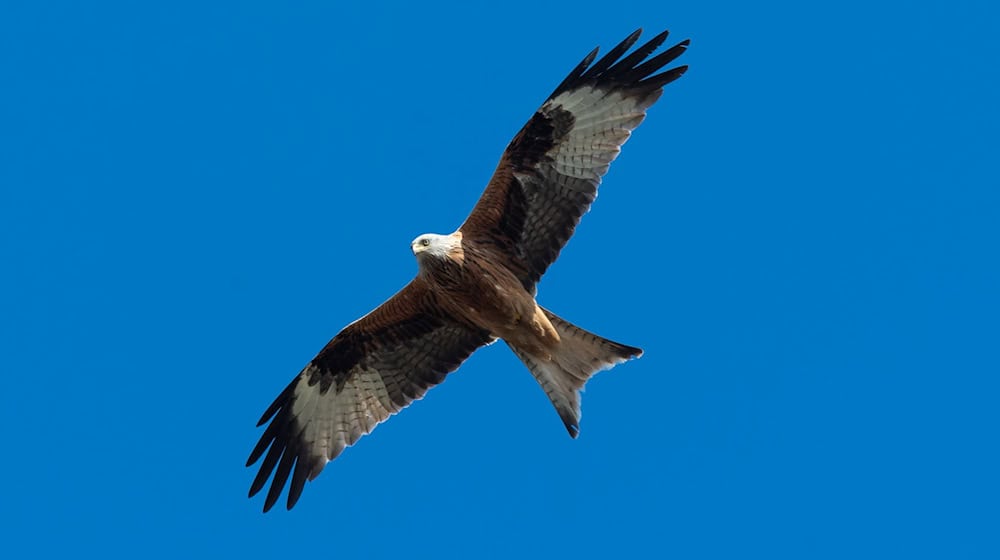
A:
(802, 236)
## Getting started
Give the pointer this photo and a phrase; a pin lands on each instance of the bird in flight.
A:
(478, 284)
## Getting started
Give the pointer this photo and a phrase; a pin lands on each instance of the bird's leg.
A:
(543, 327)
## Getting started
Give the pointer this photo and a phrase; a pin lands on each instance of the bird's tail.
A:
(575, 359)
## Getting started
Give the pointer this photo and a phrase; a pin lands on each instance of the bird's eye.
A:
(425, 242)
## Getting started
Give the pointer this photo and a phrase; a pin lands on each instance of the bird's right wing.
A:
(372, 369)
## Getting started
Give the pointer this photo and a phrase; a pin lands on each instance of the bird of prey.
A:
(478, 284)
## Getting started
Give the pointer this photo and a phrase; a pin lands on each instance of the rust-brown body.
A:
(473, 285)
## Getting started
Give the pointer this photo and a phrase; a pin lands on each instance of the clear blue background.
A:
(803, 236)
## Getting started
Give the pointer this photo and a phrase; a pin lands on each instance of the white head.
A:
(438, 246)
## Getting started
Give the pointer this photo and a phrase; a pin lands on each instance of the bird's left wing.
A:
(549, 173)
(372, 369)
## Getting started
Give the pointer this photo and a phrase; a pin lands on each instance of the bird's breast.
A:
(485, 293)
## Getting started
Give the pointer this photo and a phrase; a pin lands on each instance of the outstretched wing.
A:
(549, 174)
(372, 369)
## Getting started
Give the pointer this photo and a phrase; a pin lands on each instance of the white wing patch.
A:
(336, 420)
(602, 123)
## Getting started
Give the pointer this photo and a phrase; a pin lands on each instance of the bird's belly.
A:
(510, 313)
(496, 307)
(490, 300)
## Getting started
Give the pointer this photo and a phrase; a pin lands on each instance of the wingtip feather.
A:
(574, 430)
(634, 72)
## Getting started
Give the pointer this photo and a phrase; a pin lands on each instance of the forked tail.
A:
(577, 357)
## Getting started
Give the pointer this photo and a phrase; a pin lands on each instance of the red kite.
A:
(478, 284)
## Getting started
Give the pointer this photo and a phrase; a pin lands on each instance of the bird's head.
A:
(436, 246)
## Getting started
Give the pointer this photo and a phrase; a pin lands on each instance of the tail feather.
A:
(579, 355)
